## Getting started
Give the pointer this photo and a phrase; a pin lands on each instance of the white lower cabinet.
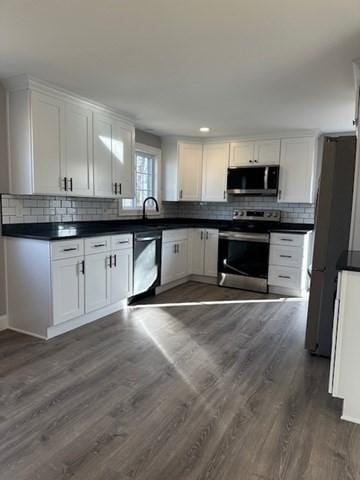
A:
(204, 251)
(174, 257)
(121, 274)
(288, 263)
(97, 281)
(68, 289)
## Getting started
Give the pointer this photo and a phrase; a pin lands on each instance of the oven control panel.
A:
(265, 215)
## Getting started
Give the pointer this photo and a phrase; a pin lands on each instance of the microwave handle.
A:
(266, 178)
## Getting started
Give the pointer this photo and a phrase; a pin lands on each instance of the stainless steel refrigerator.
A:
(332, 230)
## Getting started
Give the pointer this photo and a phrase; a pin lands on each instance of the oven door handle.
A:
(247, 237)
(230, 267)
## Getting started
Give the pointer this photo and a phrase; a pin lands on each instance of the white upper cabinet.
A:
(267, 152)
(79, 150)
(241, 153)
(297, 170)
(103, 127)
(190, 158)
(122, 159)
(55, 137)
(48, 143)
(113, 157)
(215, 164)
(260, 152)
(194, 172)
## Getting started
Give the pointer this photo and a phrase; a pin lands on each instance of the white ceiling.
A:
(238, 66)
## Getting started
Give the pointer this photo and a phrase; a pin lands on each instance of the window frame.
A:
(137, 211)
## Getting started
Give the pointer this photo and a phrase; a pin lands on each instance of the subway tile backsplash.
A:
(35, 209)
(290, 212)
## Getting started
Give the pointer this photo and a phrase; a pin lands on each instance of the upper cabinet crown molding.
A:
(28, 82)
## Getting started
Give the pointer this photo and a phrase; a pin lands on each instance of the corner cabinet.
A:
(194, 172)
(297, 179)
(55, 138)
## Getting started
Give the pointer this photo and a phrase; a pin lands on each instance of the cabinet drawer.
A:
(67, 249)
(285, 277)
(175, 235)
(121, 242)
(97, 245)
(286, 256)
(290, 239)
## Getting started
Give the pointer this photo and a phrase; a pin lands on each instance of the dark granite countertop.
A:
(61, 231)
(349, 260)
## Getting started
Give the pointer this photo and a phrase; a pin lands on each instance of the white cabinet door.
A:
(103, 131)
(121, 275)
(197, 248)
(297, 170)
(123, 160)
(215, 164)
(190, 171)
(211, 252)
(168, 262)
(48, 120)
(181, 259)
(241, 153)
(97, 281)
(79, 150)
(68, 289)
(267, 152)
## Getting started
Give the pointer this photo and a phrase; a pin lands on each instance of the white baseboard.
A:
(348, 418)
(4, 324)
(25, 332)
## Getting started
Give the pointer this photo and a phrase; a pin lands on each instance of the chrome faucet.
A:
(144, 206)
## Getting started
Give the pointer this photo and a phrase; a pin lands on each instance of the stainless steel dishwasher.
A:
(147, 259)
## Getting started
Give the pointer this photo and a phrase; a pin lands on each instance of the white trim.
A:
(59, 329)
(4, 323)
(348, 418)
(25, 332)
(137, 212)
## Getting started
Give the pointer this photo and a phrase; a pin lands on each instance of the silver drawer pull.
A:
(284, 276)
(286, 239)
(286, 256)
(99, 245)
(123, 241)
(69, 249)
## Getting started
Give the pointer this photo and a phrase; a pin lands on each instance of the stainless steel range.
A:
(243, 260)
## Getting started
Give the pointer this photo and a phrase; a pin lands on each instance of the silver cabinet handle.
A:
(286, 239)
(285, 256)
(82, 267)
(202, 235)
(121, 242)
(120, 188)
(110, 261)
(181, 194)
(175, 248)
(224, 194)
(280, 193)
(207, 235)
(97, 245)
(71, 184)
(72, 249)
(250, 161)
(115, 261)
(65, 184)
(284, 276)
(115, 188)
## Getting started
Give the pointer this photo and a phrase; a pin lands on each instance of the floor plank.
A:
(198, 383)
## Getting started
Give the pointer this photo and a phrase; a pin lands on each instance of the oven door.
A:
(243, 260)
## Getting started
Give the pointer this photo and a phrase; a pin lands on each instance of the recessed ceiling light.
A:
(205, 129)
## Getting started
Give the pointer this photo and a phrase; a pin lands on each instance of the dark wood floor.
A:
(179, 392)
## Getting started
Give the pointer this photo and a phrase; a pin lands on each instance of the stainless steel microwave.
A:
(257, 180)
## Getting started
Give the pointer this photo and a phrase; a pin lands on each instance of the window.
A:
(146, 172)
